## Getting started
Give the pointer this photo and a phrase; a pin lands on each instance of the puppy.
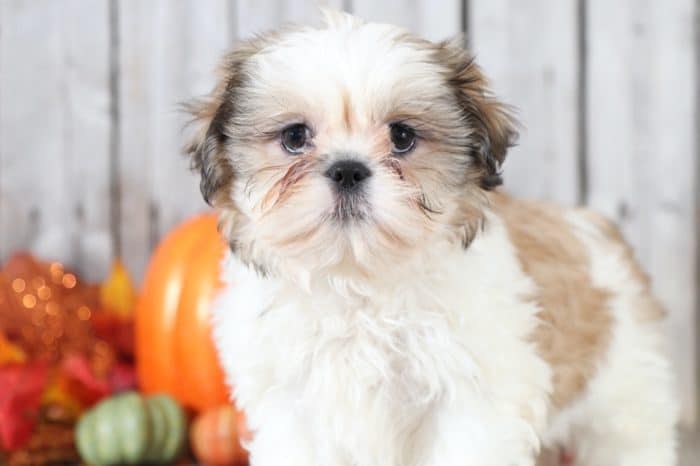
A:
(386, 304)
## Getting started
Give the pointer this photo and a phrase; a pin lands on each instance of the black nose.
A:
(348, 174)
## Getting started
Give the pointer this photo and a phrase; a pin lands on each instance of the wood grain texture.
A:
(433, 19)
(168, 52)
(256, 16)
(642, 152)
(54, 122)
(529, 50)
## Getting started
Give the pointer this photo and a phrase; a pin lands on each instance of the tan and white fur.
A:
(427, 318)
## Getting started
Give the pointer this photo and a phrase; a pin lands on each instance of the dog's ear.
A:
(211, 115)
(206, 148)
(492, 122)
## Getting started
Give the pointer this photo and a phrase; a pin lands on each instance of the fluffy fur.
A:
(428, 320)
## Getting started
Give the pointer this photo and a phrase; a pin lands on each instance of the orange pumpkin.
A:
(174, 349)
(216, 436)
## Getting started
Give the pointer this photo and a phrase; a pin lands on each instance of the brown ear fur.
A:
(212, 115)
(494, 126)
(207, 151)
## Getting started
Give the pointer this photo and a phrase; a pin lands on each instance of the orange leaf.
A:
(10, 352)
(117, 293)
(56, 393)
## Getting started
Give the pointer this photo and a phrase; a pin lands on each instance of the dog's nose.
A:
(348, 174)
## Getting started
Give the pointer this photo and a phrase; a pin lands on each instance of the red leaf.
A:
(116, 331)
(19, 402)
(122, 377)
(81, 382)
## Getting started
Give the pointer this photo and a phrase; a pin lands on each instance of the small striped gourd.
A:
(131, 429)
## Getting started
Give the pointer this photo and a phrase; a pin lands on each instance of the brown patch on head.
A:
(575, 328)
(492, 122)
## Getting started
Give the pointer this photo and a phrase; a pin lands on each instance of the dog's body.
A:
(456, 359)
(385, 305)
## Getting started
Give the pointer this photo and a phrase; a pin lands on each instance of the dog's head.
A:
(347, 144)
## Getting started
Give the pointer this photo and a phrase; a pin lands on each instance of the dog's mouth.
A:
(351, 207)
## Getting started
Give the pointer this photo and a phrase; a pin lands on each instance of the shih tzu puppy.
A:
(386, 304)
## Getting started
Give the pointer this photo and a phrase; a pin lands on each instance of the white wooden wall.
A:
(607, 91)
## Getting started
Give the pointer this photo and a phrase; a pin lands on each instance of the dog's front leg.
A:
(281, 438)
(469, 438)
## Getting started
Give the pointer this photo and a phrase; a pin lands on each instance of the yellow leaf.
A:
(117, 293)
(9, 352)
(55, 394)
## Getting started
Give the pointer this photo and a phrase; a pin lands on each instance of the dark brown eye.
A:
(403, 138)
(294, 138)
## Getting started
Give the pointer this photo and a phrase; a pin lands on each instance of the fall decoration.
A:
(60, 353)
(45, 310)
(62, 404)
(20, 399)
(117, 293)
(131, 429)
(10, 352)
(174, 351)
(216, 437)
(52, 444)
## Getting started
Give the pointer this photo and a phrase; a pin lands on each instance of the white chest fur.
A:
(373, 377)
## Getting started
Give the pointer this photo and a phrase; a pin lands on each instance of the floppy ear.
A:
(212, 115)
(207, 147)
(492, 122)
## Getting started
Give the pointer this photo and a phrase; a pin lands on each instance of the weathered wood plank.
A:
(642, 150)
(255, 16)
(54, 122)
(169, 50)
(433, 19)
(530, 50)
(135, 145)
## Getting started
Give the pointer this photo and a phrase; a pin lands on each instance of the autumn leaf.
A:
(57, 394)
(10, 352)
(20, 399)
(117, 293)
(78, 380)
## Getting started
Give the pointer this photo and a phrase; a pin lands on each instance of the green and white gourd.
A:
(132, 429)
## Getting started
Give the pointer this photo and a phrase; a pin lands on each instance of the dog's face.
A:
(349, 144)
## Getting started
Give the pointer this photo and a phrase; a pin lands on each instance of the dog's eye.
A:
(294, 138)
(403, 138)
